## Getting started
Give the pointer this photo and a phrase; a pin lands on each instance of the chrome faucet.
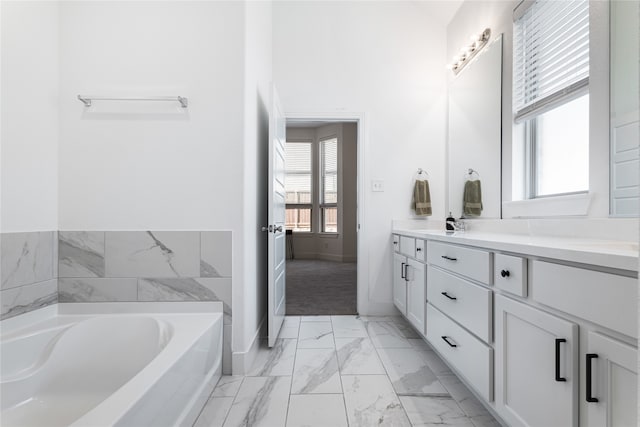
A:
(459, 225)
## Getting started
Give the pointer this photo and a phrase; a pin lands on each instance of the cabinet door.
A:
(399, 283)
(416, 299)
(611, 380)
(537, 374)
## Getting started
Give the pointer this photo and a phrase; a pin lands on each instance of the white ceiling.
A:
(443, 10)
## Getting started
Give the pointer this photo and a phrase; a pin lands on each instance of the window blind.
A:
(550, 55)
(329, 159)
(298, 178)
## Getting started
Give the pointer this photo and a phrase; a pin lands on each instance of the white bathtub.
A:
(126, 369)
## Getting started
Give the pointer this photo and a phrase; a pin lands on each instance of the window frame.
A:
(309, 205)
(528, 118)
(322, 204)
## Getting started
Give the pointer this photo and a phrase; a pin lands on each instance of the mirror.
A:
(624, 54)
(475, 122)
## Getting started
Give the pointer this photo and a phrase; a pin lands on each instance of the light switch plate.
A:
(377, 185)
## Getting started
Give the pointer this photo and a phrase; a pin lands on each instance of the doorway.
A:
(321, 186)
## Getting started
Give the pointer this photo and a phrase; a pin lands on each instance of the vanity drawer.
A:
(420, 250)
(408, 246)
(472, 358)
(466, 303)
(510, 274)
(472, 263)
(396, 243)
(606, 299)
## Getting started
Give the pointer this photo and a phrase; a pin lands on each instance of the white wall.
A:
(138, 166)
(474, 16)
(252, 296)
(29, 193)
(158, 166)
(384, 60)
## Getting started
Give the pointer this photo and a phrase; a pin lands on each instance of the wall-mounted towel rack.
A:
(87, 99)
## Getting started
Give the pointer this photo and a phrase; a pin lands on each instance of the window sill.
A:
(309, 235)
(555, 206)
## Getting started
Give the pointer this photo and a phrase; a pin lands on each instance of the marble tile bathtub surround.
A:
(152, 254)
(26, 258)
(156, 266)
(27, 272)
(81, 254)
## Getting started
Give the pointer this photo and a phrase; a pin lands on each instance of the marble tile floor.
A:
(334, 371)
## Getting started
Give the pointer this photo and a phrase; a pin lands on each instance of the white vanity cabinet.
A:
(400, 282)
(536, 366)
(409, 280)
(611, 379)
(544, 335)
(416, 289)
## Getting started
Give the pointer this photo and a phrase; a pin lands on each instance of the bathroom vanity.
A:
(543, 330)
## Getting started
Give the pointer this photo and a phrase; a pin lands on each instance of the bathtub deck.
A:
(342, 371)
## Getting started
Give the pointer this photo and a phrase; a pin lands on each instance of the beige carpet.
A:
(316, 287)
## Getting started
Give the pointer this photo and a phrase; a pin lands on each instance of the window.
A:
(311, 185)
(298, 184)
(550, 95)
(329, 182)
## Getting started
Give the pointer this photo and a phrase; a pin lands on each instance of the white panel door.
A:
(276, 252)
(611, 382)
(537, 375)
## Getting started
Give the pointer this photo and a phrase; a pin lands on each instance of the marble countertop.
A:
(604, 253)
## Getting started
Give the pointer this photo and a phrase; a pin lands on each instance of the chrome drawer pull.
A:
(446, 339)
(449, 258)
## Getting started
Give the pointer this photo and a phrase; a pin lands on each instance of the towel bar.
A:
(87, 99)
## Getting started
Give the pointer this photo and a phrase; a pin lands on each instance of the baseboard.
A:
(325, 257)
(243, 360)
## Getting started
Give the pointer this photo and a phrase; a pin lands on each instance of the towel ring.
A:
(421, 175)
(471, 175)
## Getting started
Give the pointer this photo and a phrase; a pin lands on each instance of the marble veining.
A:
(27, 298)
(316, 335)
(316, 371)
(370, 401)
(387, 335)
(434, 411)
(179, 289)
(26, 258)
(364, 396)
(276, 361)
(81, 254)
(358, 356)
(261, 402)
(215, 253)
(152, 254)
(228, 386)
(97, 290)
(409, 372)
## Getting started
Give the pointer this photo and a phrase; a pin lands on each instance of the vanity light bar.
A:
(467, 53)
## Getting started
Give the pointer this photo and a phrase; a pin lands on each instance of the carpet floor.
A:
(316, 287)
